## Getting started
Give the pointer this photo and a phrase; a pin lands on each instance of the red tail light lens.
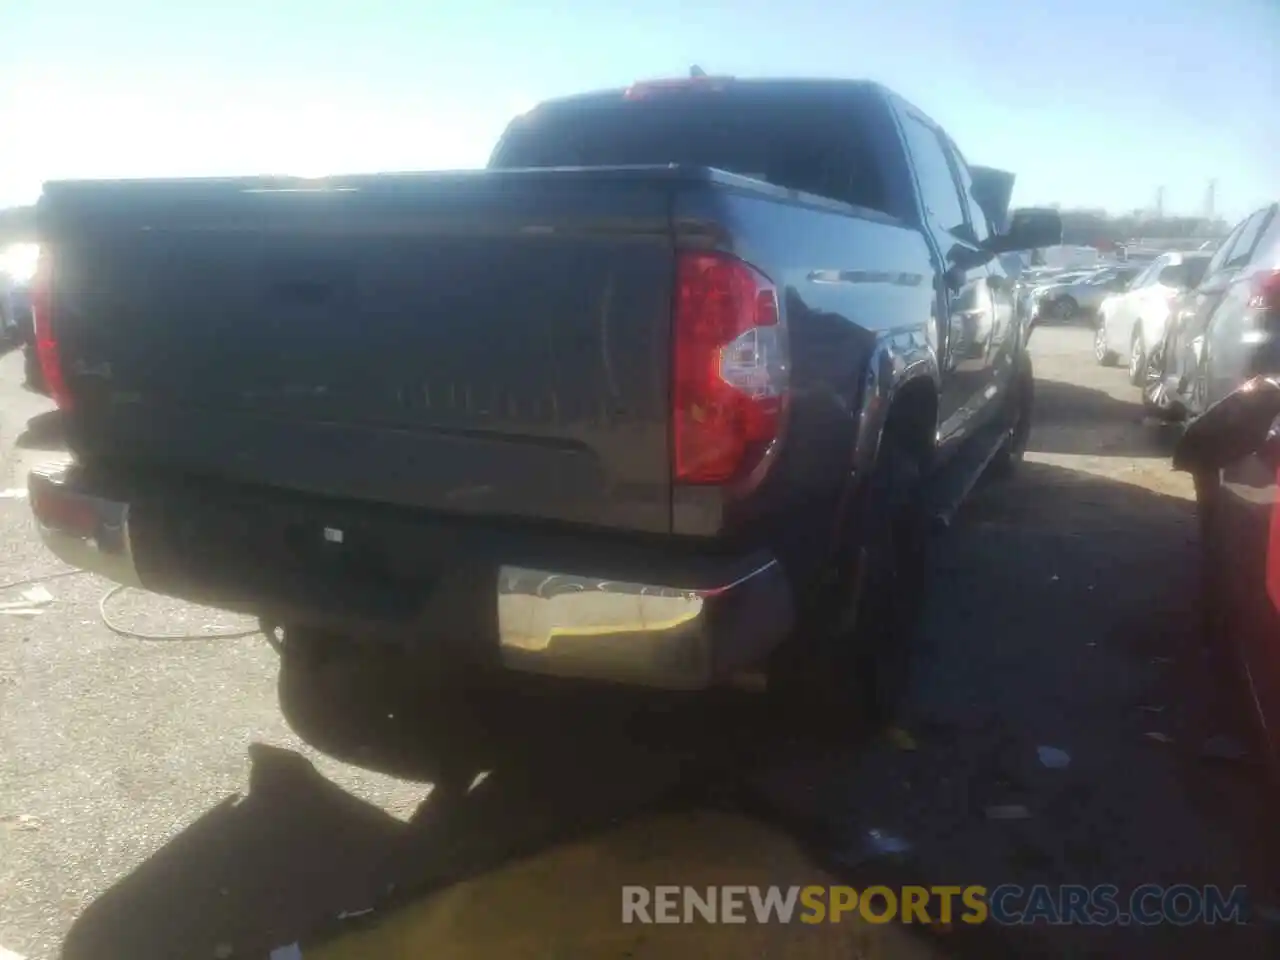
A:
(731, 368)
(1266, 291)
(46, 340)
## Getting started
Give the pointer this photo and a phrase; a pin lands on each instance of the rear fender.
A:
(900, 358)
(898, 361)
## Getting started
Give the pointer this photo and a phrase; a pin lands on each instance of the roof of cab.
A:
(743, 84)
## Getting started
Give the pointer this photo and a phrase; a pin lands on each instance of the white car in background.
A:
(1131, 323)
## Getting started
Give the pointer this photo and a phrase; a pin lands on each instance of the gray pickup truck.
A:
(669, 395)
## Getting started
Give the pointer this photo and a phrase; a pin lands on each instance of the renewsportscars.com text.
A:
(1007, 905)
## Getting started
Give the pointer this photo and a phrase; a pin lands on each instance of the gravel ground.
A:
(153, 802)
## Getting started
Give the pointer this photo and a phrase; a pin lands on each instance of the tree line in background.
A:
(1096, 228)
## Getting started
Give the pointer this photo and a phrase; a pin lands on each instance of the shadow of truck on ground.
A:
(1055, 595)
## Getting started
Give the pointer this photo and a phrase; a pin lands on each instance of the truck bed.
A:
(491, 343)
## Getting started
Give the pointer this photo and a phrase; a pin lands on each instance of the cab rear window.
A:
(795, 142)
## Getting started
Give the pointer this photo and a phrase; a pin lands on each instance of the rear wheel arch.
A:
(904, 417)
(912, 419)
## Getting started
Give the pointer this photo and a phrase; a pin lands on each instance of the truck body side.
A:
(437, 407)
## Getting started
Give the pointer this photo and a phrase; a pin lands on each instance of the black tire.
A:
(1155, 399)
(1217, 629)
(31, 371)
(342, 700)
(1066, 308)
(1137, 358)
(1199, 389)
(302, 685)
(1101, 353)
(848, 670)
(1018, 414)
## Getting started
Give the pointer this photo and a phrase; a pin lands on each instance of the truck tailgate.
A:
(492, 343)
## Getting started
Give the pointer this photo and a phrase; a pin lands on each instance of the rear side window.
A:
(1224, 248)
(938, 188)
(1194, 271)
(1243, 248)
(1149, 273)
(1267, 253)
(795, 140)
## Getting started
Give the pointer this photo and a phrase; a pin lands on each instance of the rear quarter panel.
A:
(857, 293)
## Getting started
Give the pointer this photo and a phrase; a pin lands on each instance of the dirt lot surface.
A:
(153, 803)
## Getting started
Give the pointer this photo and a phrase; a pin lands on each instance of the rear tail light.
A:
(1266, 291)
(731, 368)
(46, 339)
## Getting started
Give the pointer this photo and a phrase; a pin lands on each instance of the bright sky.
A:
(1092, 102)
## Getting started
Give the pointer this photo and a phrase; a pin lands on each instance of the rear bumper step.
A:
(667, 635)
(81, 529)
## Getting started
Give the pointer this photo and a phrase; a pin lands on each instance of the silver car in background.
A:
(1040, 292)
(1075, 295)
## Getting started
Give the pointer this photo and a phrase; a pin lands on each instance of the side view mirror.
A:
(1032, 228)
(1241, 423)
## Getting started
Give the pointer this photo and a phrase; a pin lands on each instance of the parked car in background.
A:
(1227, 329)
(1038, 287)
(1233, 452)
(1132, 323)
(764, 337)
(1068, 297)
(17, 264)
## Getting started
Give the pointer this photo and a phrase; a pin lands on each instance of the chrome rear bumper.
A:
(80, 529)
(643, 634)
(676, 636)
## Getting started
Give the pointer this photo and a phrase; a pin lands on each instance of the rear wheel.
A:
(1018, 410)
(1199, 399)
(32, 373)
(360, 704)
(1155, 393)
(1137, 358)
(1105, 356)
(849, 669)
